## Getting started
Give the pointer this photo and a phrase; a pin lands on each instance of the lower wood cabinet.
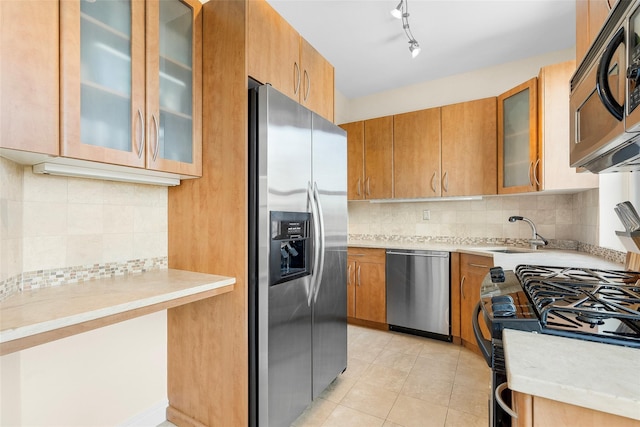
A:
(473, 269)
(534, 411)
(366, 287)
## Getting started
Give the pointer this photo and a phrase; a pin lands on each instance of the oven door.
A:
(493, 353)
(597, 104)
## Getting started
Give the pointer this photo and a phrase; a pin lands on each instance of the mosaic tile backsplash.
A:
(62, 276)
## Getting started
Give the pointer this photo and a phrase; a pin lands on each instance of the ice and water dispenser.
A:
(290, 251)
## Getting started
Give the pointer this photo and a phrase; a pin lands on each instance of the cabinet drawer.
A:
(476, 263)
(367, 254)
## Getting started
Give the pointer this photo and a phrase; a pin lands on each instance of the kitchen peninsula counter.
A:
(592, 375)
(42, 315)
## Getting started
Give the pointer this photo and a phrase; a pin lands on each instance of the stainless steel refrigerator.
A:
(297, 256)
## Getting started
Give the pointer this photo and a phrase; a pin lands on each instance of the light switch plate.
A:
(426, 215)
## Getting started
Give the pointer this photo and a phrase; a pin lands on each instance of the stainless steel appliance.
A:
(604, 119)
(297, 256)
(418, 292)
(590, 304)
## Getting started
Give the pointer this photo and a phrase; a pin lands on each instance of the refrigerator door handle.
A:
(316, 243)
(320, 270)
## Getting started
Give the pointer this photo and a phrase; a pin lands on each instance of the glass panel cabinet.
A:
(131, 83)
(518, 139)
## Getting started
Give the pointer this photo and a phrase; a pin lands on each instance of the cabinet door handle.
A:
(535, 173)
(296, 78)
(358, 188)
(307, 84)
(156, 123)
(498, 393)
(349, 275)
(462, 286)
(445, 182)
(368, 186)
(478, 265)
(359, 276)
(433, 182)
(142, 132)
(531, 174)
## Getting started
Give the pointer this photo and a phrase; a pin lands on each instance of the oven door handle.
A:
(484, 344)
(602, 77)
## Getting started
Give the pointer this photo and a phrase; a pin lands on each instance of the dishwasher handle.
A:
(422, 254)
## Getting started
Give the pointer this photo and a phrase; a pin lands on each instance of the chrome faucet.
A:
(536, 240)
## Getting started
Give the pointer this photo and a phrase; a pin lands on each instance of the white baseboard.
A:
(151, 417)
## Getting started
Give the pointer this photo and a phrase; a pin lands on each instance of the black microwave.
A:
(605, 96)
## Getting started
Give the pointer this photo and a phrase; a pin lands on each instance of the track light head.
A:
(397, 12)
(414, 48)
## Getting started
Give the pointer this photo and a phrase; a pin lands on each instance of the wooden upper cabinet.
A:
(317, 85)
(276, 54)
(273, 49)
(174, 86)
(416, 154)
(469, 148)
(29, 91)
(378, 155)
(590, 17)
(355, 160)
(130, 89)
(553, 171)
(518, 138)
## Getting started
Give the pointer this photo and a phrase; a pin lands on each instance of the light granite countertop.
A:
(37, 316)
(602, 377)
(508, 261)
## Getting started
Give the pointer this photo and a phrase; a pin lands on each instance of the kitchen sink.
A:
(511, 251)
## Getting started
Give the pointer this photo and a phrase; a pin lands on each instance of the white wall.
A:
(103, 377)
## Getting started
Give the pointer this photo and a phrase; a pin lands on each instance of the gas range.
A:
(591, 304)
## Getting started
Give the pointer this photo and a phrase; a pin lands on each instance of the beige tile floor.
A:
(399, 380)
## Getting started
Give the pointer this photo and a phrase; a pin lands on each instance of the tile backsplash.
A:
(51, 222)
(557, 217)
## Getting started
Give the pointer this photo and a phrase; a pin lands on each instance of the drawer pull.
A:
(478, 265)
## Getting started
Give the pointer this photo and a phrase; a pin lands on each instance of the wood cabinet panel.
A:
(473, 269)
(535, 411)
(351, 288)
(29, 66)
(518, 138)
(416, 154)
(369, 285)
(469, 148)
(273, 49)
(207, 340)
(590, 17)
(378, 160)
(553, 171)
(317, 81)
(355, 160)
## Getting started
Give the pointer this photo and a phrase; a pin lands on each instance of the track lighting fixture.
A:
(402, 12)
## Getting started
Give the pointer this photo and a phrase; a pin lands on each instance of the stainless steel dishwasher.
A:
(418, 292)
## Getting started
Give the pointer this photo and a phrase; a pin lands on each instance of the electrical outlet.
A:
(426, 215)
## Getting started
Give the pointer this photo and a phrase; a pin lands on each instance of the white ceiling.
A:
(370, 51)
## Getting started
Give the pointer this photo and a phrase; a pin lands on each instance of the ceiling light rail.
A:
(402, 12)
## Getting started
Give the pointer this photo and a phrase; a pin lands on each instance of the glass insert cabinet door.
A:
(518, 139)
(131, 83)
(174, 79)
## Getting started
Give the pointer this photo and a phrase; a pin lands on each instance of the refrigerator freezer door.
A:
(330, 295)
(284, 319)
